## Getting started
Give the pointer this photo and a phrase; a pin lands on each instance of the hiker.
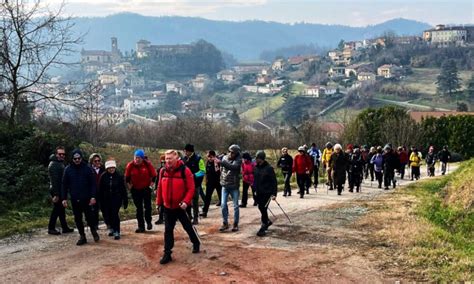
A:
(415, 162)
(349, 151)
(370, 166)
(55, 172)
(230, 181)
(197, 166)
(356, 167)
(302, 166)
(430, 161)
(79, 182)
(175, 193)
(140, 176)
(403, 157)
(377, 164)
(315, 155)
(308, 177)
(248, 167)
(112, 194)
(327, 152)
(95, 162)
(339, 163)
(265, 189)
(160, 208)
(285, 163)
(391, 162)
(444, 157)
(213, 174)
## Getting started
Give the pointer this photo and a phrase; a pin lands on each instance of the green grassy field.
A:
(423, 80)
(269, 104)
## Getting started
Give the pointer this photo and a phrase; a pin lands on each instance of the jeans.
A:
(142, 198)
(234, 192)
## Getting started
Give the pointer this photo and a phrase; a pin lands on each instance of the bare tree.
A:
(34, 39)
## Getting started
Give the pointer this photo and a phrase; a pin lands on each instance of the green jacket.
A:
(55, 171)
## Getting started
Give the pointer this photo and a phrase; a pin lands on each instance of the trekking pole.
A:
(197, 234)
(282, 210)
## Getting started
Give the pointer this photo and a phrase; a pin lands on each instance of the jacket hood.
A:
(53, 158)
(77, 151)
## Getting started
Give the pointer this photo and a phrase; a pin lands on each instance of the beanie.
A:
(110, 164)
(261, 155)
(234, 148)
(139, 153)
(189, 147)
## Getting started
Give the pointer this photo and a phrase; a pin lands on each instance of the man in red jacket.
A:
(175, 194)
(302, 166)
(140, 176)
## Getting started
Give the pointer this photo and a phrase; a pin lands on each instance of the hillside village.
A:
(269, 96)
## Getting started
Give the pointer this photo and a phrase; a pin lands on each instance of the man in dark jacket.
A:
(285, 163)
(444, 156)
(356, 167)
(79, 182)
(213, 174)
(339, 163)
(55, 171)
(265, 188)
(391, 162)
(231, 166)
(196, 164)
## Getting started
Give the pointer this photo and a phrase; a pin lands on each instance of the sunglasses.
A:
(96, 161)
(76, 159)
(62, 154)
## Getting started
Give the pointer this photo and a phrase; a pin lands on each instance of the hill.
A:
(245, 40)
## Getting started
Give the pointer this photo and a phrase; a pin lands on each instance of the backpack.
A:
(183, 174)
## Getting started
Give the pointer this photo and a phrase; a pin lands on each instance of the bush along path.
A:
(331, 238)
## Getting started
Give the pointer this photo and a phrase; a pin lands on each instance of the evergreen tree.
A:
(234, 118)
(340, 46)
(448, 81)
(470, 89)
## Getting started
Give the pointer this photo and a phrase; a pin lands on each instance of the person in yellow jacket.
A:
(328, 150)
(415, 162)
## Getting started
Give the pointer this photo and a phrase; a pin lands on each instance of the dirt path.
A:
(319, 246)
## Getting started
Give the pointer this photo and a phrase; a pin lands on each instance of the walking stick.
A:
(197, 234)
(282, 210)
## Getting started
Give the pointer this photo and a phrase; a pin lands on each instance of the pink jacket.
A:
(247, 171)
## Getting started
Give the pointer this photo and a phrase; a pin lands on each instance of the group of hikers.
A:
(94, 186)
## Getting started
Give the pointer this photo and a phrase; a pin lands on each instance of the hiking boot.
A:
(54, 232)
(284, 194)
(268, 225)
(255, 203)
(159, 222)
(261, 232)
(67, 230)
(224, 227)
(116, 236)
(235, 228)
(95, 235)
(82, 241)
(111, 232)
(351, 190)
(140, 230)
(386, 188)
(218, 204)
(149, 226)
(243, 205)
(166, 258)
(203, 215)
(380, 186)
(301, 196)
(358, 189)
(196, 248)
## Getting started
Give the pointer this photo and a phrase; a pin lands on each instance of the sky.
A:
(344, 12)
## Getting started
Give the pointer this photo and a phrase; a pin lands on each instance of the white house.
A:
(174, 86)
(135, 103)
(215, 114)
(227, 76)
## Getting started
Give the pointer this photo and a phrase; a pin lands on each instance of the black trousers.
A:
(210, 187)
(262, 200)
(301, 180)
(111, 208)
(379, 177)
(195, 203)
(245, 193)
(80, 208)
(58, 212)
(402, 170)
(142, 199)
(287, 177)
(371, 171)
(355, 180)
(171, 216)
(388, 177)
(315, 176)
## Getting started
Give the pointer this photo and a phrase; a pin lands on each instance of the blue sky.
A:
(344, 12)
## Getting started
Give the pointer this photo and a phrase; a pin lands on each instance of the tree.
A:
(340, 45)
(462, 107)
(470, 88)
(234, 118)
(34, 39)
(448, 80)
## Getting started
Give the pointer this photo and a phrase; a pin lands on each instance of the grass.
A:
(268, 105)
(429, 228)
(423, 80)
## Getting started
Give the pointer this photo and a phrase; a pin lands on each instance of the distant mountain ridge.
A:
(245, 40)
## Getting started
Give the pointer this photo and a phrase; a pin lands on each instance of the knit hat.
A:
(189, 147)
(234, 148)
(246, 156)
(110, 164)
(139, 153)
(261, 155)
(77, 153)
(300, 149)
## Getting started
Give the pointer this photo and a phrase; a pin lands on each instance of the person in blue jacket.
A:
(79, 182)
